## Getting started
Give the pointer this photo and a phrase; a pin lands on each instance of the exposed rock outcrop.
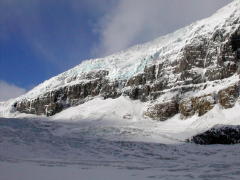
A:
(199, 105)
(218, 135)
(162, 111)
(228, 96)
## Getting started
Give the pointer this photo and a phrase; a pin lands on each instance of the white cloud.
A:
(8, 91)
(137, 21)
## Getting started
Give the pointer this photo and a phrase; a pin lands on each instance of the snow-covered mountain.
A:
(186, 73)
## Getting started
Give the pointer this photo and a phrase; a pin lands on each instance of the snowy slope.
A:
(126, 114)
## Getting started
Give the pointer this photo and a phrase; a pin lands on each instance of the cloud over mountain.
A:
(136, 21)
(8, 91)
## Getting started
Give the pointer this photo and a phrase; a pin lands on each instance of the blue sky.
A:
(41, 38)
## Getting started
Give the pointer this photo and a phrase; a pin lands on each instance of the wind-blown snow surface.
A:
(110, 139)
(103, 149)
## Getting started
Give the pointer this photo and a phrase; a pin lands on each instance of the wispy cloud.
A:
(56, 31)
(8, 91)
(137, 21)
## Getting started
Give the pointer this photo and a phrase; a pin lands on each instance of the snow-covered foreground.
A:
(111, 139)
(107, 149)
(30, 171)
(162, 162)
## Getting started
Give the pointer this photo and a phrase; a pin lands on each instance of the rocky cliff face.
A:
(200, 72)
